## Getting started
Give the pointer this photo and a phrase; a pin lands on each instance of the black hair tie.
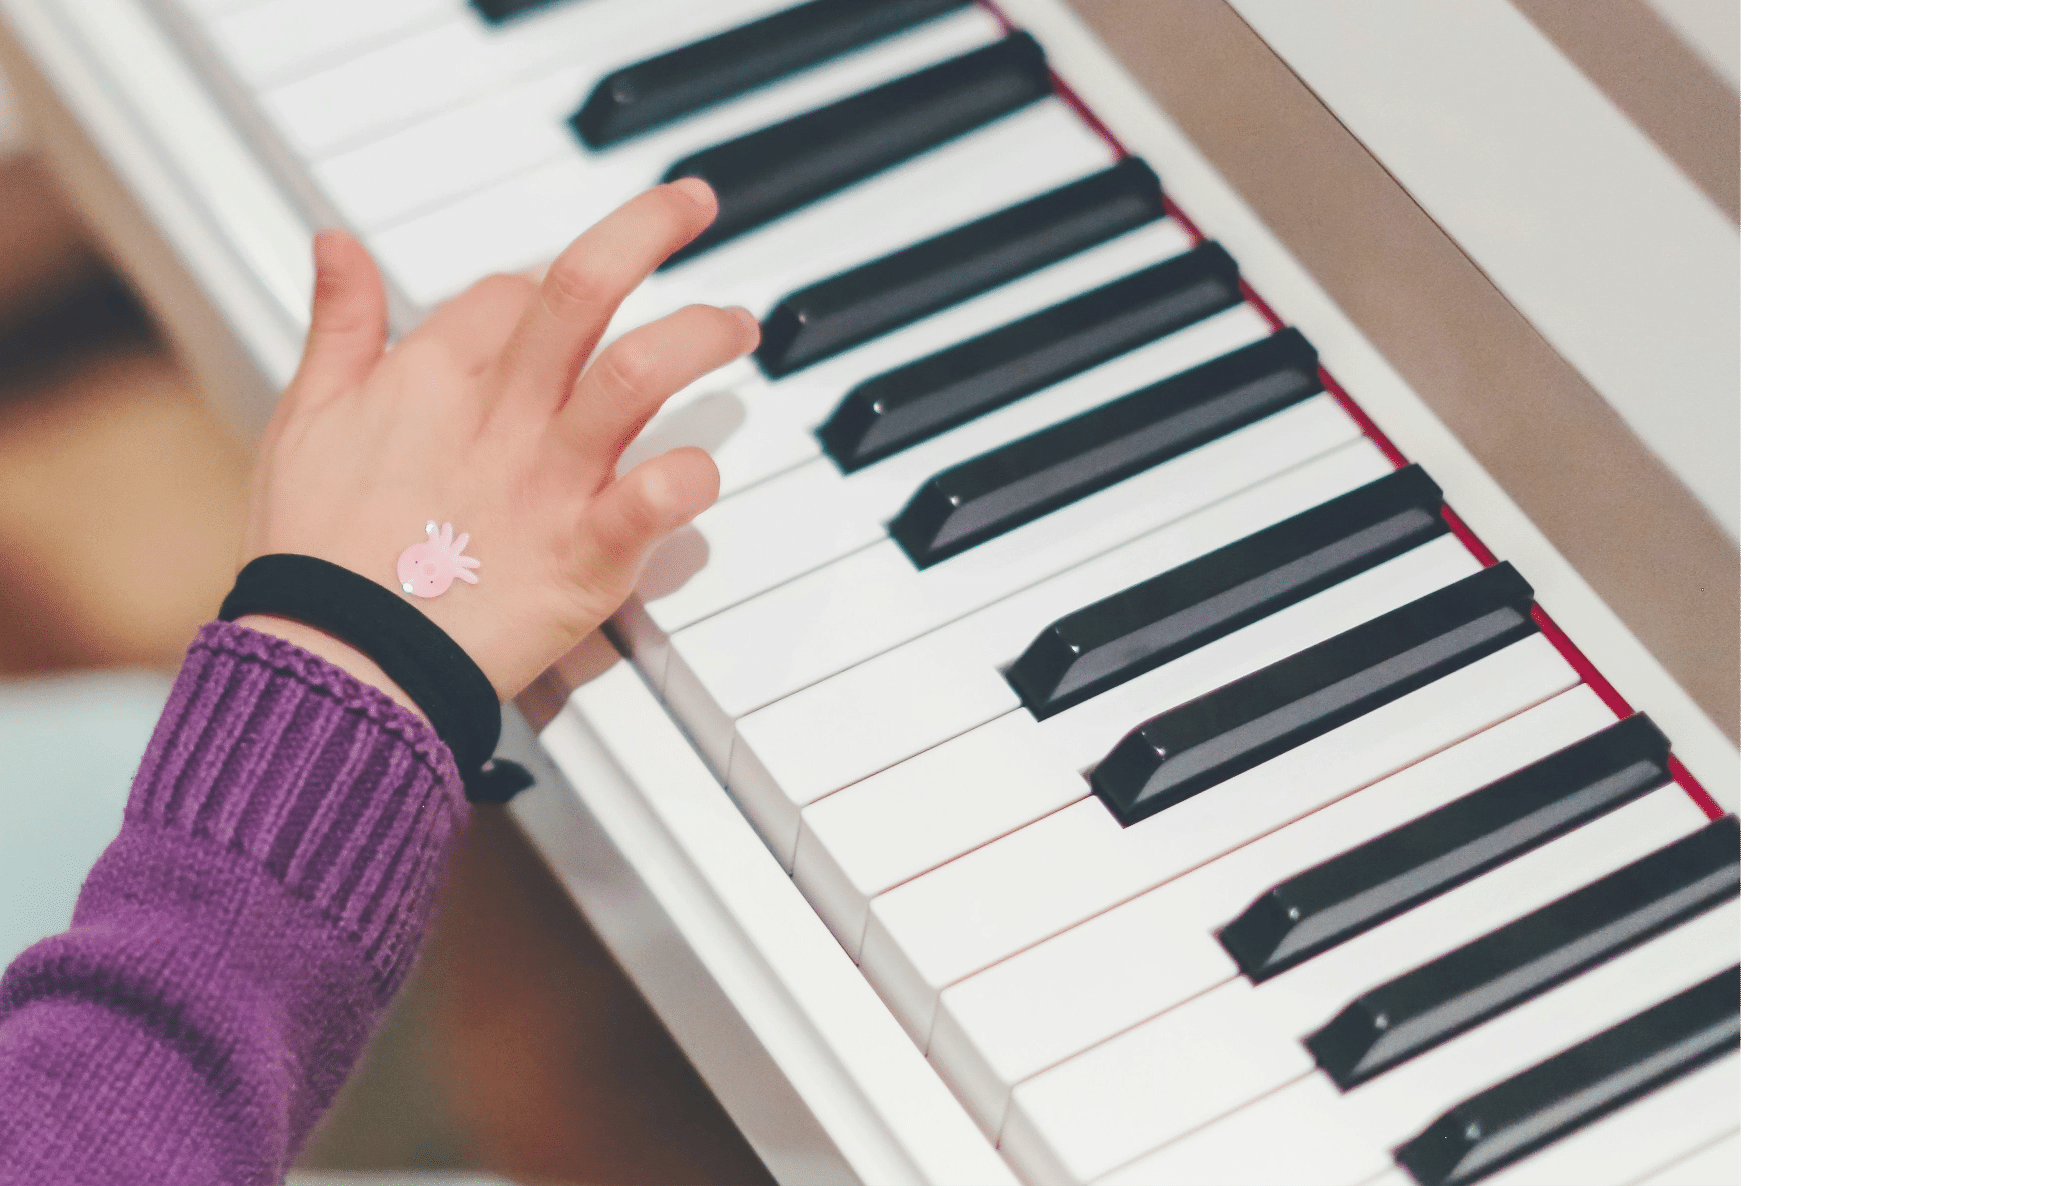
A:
(413, 651)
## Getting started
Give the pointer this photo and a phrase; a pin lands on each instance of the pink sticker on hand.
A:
(429, 567)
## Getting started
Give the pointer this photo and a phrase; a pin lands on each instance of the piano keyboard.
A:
(1204, 795)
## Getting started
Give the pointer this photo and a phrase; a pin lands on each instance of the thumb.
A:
(347, 331)
(642, 507)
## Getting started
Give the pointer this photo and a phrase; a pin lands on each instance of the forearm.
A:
(234, 947)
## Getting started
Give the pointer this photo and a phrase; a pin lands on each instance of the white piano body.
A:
(809, 1061)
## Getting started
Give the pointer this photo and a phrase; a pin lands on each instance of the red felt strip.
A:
(1588, 672)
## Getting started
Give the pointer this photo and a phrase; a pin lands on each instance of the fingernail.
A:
(695, 188)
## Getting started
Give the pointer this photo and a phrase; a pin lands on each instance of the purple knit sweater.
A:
(234, 947)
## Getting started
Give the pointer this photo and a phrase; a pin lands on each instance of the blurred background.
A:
(518, 1051)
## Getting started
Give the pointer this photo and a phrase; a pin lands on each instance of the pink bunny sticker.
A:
(428, 568)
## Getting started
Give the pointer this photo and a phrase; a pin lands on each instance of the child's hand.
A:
(482, 417)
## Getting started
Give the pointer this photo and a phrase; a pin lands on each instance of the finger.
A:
(583, 287)
(644, 506)
(473, 327)
(346, 332)
(633, 377)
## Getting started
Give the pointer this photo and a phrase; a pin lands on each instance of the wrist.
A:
(333, 649)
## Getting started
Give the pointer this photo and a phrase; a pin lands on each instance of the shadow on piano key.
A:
(707, 422)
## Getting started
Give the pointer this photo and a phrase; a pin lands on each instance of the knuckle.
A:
(633, 367)
(428, 358)
(577, 279)
(339, 309)
(505, 288)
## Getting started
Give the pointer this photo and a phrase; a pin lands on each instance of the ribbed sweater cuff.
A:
(348, 800)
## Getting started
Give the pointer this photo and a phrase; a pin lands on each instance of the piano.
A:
(1111, 729)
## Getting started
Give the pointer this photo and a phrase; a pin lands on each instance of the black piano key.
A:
(1184, 751)
(975, 501)
(836, 314)
(654, 91)
(1569, 1091)
(774, 171)
(496, 11)
(1356, 891)
(888, 413)
(1500, 970)
(1120, 637)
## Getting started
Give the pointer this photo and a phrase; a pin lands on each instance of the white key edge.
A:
(257, 270)
(683, 892)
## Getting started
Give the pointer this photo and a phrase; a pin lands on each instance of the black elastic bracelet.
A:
(413, 651)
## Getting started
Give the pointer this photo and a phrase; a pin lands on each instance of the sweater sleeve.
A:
(234, 947)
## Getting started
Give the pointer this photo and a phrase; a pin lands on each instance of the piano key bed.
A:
(1107, 719)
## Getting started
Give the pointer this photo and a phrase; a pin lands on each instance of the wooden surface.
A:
(1651, 75)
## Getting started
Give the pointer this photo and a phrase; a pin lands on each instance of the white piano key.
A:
(276, 39)
(759, 650)
(512, 227)
(510, 130)
(874, 494)
(216, 8)
(1720, 1163)
(1158, 495)
(827, 737)
(742, 281)
(1236, 1042)
(767, 534)
(936, 930)
(999, 1027)
(1208, 1049)
(948, 681)
(524, 220)
(1088, 526)
(969, 179)
(884, 487)
(1304, 998)
(911, 818)
(409, 79)
(779, 752)
(1309, 1134)
(999, 630)
(779, 418)
(424, 164)
(1644, 1136)
(1292, 1137)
